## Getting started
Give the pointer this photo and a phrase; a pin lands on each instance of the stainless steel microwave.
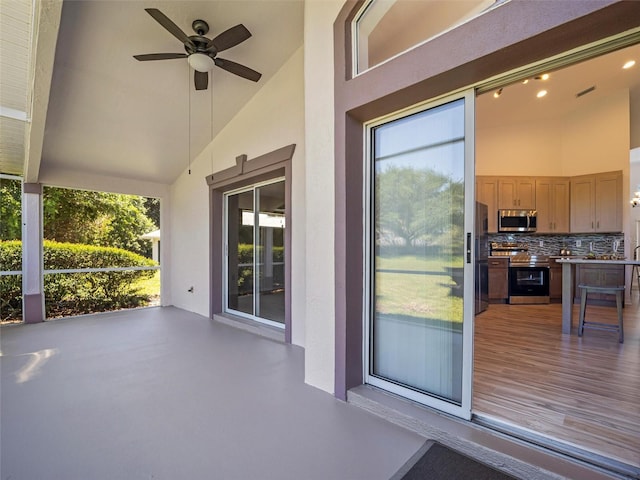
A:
(517, 220)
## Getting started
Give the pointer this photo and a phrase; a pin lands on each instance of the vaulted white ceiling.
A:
(106, 113)
(109, 114)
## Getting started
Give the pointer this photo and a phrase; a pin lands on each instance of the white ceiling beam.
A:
(47, 14)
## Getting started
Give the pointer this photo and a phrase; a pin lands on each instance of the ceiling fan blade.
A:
(201, 80)
(229, 38)
(236, 68)
(159, 56)
(171, 27)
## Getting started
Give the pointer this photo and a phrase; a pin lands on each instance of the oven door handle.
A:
(468, 247)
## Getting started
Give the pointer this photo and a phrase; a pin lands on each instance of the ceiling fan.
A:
(201, 51)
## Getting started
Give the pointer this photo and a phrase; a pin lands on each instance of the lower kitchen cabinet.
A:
(555, 280)
(498, 280)
(600, 276)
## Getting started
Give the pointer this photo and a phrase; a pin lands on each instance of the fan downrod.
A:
(200, 27)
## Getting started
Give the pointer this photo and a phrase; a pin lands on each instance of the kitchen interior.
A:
(554, 179)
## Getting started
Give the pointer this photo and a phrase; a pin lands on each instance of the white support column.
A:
(32, 282)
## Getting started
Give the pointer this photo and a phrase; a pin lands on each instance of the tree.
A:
(10, 208)
(152, 206)
(419, 204)
(96, 218)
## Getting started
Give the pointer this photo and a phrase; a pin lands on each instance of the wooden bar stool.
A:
(618, 292)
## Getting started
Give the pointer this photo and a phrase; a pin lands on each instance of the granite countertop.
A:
(592, 261)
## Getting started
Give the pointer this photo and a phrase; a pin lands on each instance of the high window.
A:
(385, 28)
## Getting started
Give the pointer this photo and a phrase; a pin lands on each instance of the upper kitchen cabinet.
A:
(516, 193)
(552, 204)
(487, 193)
(596, 203)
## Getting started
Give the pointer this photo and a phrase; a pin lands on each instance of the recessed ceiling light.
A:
(544, 76)
(524, 82)
(541, 93)
(497, 93)
(629, 64)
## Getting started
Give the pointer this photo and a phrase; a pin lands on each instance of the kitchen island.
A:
(568, 268)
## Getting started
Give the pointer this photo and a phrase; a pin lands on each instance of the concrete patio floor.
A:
(161, 393)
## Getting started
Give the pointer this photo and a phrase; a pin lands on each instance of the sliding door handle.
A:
(468, 247)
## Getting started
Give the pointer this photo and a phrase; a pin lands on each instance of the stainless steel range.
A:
(528, 274)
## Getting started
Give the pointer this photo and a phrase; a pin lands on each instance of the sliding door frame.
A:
(256, 270)
(463, 409)
(246, 172)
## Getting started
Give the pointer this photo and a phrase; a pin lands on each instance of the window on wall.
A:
(385, 28)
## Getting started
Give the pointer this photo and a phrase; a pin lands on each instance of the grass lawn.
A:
(421, 295)
(415, 263)
(150, 286)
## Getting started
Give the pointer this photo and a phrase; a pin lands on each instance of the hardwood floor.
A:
(581, 390)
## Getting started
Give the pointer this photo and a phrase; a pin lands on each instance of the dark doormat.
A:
(437, 462)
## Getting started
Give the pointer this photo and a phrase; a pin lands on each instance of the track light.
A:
(497, 93)
(635, 201)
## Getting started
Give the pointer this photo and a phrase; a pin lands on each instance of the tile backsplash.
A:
(552, 244)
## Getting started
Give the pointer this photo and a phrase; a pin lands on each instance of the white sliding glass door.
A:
(254, 251)
(420, 297)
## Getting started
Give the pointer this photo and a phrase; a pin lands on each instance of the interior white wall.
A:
(519, 149)
(593, 138)
(319, 16)
(634, 114)
(273, 118)
(634, 185)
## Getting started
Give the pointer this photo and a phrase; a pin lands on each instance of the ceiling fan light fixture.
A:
(201, 62)
(201, 52)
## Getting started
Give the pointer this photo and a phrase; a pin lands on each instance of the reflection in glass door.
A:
(420, 269)
(255, 268)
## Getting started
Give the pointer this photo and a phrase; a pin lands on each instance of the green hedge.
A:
(245, 274)
(10, 286)
(75, 293)
(245, 253)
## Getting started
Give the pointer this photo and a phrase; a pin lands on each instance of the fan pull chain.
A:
(189, 122)
(211, 141)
